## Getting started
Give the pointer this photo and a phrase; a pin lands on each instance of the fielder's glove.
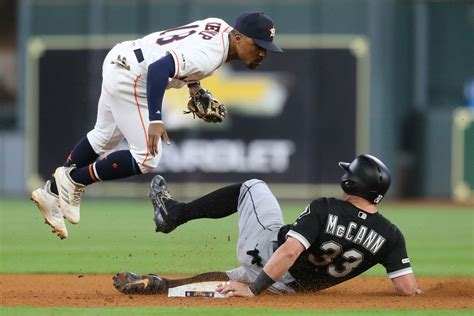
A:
(203, 105)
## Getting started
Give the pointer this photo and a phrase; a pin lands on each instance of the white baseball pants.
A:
(123, 108)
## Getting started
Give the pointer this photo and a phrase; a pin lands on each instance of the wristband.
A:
(261, 283)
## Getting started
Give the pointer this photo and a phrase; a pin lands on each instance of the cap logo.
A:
(259, 27)
(378, 199)
(272, 31)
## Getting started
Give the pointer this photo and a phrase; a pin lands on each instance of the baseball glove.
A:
(203, 105)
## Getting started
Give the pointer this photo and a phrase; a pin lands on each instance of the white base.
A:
(202, 289)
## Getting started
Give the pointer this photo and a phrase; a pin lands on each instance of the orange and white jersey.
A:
(198, 49)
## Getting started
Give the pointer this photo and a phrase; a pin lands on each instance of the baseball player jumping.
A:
(135, 76)
(332, 240)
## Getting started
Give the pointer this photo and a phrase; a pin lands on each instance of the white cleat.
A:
(70, 194)
(48, 204)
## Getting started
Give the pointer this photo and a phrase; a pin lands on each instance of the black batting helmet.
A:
(367, 177)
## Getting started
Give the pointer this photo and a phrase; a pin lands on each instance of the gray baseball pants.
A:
(260, 219)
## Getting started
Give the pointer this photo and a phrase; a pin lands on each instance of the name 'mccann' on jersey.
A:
(341, 242)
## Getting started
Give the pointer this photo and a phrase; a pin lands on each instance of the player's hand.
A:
(234, 288)
(194, 88)
(155, 131)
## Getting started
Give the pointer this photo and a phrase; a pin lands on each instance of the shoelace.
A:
(77, 194)
(166, 193)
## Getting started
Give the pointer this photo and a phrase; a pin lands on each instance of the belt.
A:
(139, 54)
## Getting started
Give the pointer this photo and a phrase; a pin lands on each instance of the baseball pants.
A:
(260, 219)
(123, 107)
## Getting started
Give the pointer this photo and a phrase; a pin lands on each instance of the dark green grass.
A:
(119, 235)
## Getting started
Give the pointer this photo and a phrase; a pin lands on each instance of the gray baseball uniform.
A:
(260, 220)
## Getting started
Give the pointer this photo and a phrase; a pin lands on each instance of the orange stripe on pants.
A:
(140, 115)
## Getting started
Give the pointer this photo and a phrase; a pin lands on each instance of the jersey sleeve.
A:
(198, 59)
(306, 227)
(396, 262)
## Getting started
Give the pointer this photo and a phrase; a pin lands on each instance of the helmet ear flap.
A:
(348, 183)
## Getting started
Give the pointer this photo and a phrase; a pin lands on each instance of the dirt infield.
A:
(360, 293)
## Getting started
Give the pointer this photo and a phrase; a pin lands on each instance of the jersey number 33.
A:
(333, 250)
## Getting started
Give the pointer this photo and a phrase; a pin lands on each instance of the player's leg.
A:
(81, 170)
(170, 213)
(67, 192)
(122, 113)
(47, 198)
(81, 155)
(217, 204)
(258, 206)
(260, 220)
(131, 114)
(130, 107)
(223, 202)
(114, 108)
(47, 202)
(131, 283)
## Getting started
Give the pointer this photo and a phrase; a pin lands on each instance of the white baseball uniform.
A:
(198, 49)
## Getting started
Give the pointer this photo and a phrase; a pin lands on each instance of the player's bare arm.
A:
(406, 285)
(283, 258)
(156, 130)
(281, 261)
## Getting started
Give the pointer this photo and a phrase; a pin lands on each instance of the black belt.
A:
(139, 55)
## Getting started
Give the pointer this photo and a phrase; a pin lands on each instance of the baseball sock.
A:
(117, 165)
(81, 155)
(220, 203)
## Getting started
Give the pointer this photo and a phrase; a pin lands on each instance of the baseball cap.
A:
(259, 27)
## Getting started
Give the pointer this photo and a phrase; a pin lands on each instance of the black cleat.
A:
(131, 283)
(159, 195)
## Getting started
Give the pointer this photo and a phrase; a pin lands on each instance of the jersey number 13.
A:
(176, 34)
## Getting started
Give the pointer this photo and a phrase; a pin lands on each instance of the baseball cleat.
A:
(131, 283)
(159, 195)
(70, 194)
(48, 204)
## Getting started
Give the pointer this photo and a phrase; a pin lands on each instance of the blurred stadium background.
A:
(394, 78)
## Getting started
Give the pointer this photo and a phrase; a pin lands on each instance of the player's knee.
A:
(97, 142)
(148, 165)
(145, 161)
(100, 142)
(252, 182)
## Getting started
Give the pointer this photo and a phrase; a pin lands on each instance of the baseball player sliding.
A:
(332, 240)
(135, 76)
